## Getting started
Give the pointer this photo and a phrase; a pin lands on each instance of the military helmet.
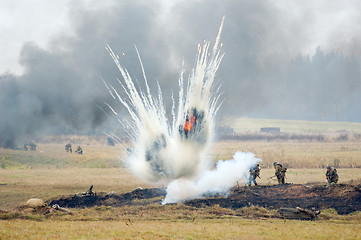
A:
(328, 167)
(274, 163)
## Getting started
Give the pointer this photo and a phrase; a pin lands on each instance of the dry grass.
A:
(295, 154)
(75, 139)
(345, 154)
(50, 172)
(51, 155)
(215, 228)
(177, 222)
(20, 185)
(17, 186)
(291, 126)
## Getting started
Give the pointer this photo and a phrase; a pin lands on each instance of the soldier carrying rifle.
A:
(331, 175)
(280, 172)
(253, 174)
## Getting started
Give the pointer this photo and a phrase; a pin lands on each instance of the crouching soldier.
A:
(79, 150)
(331, 175)
(253, 174)
(280, 172)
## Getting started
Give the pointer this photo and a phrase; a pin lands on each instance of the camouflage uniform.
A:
(280, 172)
(331, 175)
(253, 174)
(79, 150)
(68, 148)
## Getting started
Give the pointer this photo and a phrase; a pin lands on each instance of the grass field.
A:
(290, 126)
(296, 154)
(17, 186)
(50, 172)
(293, 154)
(214, 228)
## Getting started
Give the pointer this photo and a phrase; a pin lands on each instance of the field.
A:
(291, 126)
(50, 172)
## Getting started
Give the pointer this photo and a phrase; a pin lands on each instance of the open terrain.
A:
(122, 210)
(345, 199)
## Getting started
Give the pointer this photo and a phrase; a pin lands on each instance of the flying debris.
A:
(176, 154)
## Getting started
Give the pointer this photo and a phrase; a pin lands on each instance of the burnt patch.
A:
(343, 198)
(110, 199)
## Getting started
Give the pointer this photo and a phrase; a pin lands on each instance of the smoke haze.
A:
(283, 60)
(217, 181)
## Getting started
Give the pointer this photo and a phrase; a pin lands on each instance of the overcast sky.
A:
(329, 24)
(283, 59)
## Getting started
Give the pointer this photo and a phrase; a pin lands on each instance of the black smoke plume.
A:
(265, 73)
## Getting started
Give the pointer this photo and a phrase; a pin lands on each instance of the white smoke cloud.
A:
(164, 151)
(176, 154)
(218, 181)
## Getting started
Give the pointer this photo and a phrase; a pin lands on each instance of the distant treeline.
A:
(289, 137)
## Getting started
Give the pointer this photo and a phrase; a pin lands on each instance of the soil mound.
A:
(343, 198)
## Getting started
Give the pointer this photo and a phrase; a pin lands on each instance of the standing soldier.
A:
(253, 174)
(280, 172)
(68, 147)
(32, 146)
(331, 175)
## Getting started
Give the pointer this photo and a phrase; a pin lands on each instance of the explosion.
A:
(176, 154)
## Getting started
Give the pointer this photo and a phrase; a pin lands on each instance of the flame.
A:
(189, 124)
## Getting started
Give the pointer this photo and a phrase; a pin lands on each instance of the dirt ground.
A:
(343, 198)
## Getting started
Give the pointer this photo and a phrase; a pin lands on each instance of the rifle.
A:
(271, 177)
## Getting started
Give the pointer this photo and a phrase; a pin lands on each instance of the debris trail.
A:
(163, 152)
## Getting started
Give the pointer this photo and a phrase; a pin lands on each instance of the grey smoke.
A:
(271, 69)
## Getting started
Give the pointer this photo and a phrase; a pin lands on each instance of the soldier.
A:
(253, 174)
(331, 175)
(68, 147)
(79, 150)
(32, 146)
(280, 172)
(89, 192)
